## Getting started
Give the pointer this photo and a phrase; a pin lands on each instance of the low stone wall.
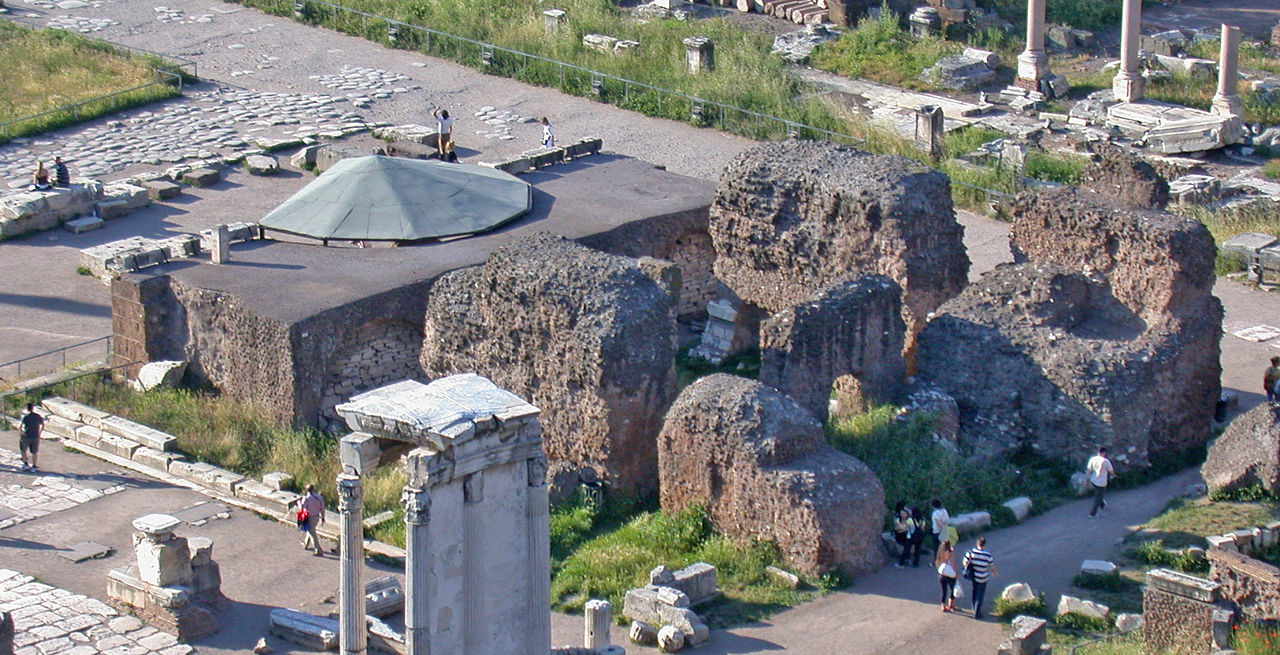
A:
(109, 260)
(32, 211)
(99, 431)
(1184, 614)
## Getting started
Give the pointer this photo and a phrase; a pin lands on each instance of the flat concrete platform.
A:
(592, 196)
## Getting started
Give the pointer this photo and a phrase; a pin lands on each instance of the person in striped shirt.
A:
(979, 567)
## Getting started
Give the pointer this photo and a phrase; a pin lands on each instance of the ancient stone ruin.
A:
(588, 336)
(1247, 454)
(791, 218)
(849, 337)
(174, 581)
(1104, 332)
(1128, 179)
(761, 465)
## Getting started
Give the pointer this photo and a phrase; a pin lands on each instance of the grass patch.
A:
(1154, 553)
(967, 139)
(1128, 644)
(602, 554)
(1080, 14)
(1271, 169)
(1083, 622)
(689, 368)
(1112, 582)
(1006, 610)
(879, 49)
(47, 69)
(1053, 167)
(237, 436)
(915, 467)
(1252, 55)
(1256, 639)
(1258, 216)
(1186, 522)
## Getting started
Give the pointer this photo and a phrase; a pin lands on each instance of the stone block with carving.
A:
(670, 639)
(383, 596)
(642, 633)
(760, 464)
(314, 632)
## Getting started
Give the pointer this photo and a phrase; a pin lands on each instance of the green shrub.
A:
(1251, 493)
(879, 49)
(1083, 622)
(1230, 262)
(1154, 553)
(1008, 609)
(1110, 582)
(81, 270)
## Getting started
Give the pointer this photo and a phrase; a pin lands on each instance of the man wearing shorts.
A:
(32, 427)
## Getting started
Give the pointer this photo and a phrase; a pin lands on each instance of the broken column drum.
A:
(477, 567)
(1129, 83)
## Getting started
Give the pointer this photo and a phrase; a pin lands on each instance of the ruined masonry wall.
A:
(375, 354)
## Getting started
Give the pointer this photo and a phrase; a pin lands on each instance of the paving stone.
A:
(83, 551)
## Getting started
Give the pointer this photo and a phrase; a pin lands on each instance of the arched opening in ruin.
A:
(377, 353)
(694, 253)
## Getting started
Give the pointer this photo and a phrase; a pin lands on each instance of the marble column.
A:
(1128, 83)
(1033, 63)
(352, 633)
(417, 571)
(538, 535)
(1226, 102)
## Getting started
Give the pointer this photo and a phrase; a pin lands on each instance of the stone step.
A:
(140, 434)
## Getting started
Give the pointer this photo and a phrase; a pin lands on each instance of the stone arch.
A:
(379, 352)
(847, 338)
(695, 254)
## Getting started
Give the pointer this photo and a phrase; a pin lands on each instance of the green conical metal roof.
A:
(398, 199)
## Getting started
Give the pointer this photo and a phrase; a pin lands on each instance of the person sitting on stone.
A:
(40, 178)
(61, 175)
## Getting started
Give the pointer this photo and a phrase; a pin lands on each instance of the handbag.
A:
(303, 518)
(968, 571)
(957, 592)
(946, 570)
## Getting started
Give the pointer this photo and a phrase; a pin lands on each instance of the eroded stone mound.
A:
(586, 336)
(1126, 178)
(790, 218)
(850, 335)
(760, 464)
(1158, 264)
(1247, 453)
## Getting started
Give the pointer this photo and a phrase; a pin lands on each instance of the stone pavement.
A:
(48, 493)
(51, 620)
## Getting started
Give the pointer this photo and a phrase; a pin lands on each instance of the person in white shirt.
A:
(1100, 474)
(938, 522)
(444, 125)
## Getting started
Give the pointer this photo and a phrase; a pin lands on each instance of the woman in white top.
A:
(548, 137)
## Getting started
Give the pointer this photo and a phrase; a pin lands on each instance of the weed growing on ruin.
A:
(689, 368)
(1184, 522)
(1155, 553)
(1007, 609)
(1083, 622)
(46, 69)
(879, 49)
(967, 139)
(1112, 582)
(601, 553)
(1223, 223)
(915, 467)
(1053, 167)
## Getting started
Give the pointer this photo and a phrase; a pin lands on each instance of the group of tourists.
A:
(911, 529)
(444, 134)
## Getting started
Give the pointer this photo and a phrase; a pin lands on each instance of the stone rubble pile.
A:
(108, 260)
(796, 46)
(666, 602)
(80, 24)
(170, 15)
(500, 122)
(967, 71)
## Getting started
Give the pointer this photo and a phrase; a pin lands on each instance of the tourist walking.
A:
(444, 138)
(60, 173)
(310, 516)
(548, 136)
(901, 528)
(979, 568)
(939, 520)
(945, 563)
(1100, 474)
(1270, 378)
(29, 439)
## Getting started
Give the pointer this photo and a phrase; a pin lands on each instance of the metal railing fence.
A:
(12, 370)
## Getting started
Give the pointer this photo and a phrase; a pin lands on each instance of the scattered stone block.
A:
(165, 374)
(202, 177)
(1018, 592)
(697, 581)
(261, 165)
(162, 189)
(263, 495)
(306, 156)
(971, 523)
(785, 578)
(1223, 542)
(109, 209)
(1097, 567)
(383, 596)
(314, 632)
(655, 606)
(1020, 506)
(1128, 622)
(84, 550)
(599, 42)
(74, 411)
(78, 225)
(1027, 635)
(1072, 605)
